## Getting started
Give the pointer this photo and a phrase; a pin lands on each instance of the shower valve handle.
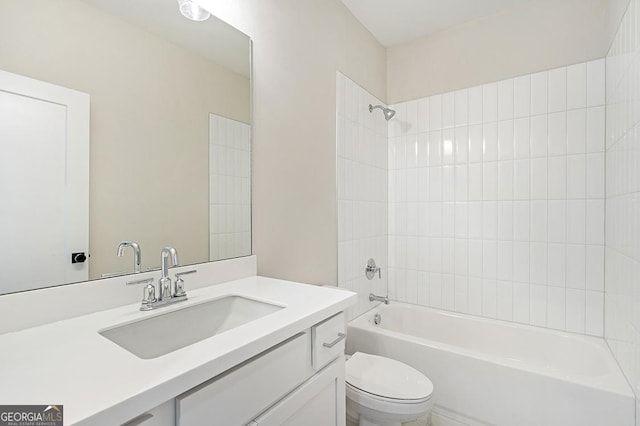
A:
(371, 269)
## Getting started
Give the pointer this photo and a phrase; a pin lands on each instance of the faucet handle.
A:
(180, 282)
(148, 293)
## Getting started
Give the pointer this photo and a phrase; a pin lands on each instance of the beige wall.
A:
(150, 104)
(298, 46)
(536, 36)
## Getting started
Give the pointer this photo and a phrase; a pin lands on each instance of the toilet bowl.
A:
(385, 392)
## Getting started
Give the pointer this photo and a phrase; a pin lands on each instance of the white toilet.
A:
(385, 392)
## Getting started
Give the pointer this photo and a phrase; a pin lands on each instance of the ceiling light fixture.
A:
(193, 11)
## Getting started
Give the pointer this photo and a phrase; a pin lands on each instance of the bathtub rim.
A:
(614, 381)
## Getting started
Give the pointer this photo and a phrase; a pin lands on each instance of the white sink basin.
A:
(161, 334)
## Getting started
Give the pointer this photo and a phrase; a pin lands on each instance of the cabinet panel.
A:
(318, 402)
(235, 397)
(328, 339)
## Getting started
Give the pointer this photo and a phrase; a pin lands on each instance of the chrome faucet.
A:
(374, 298)
(165, 281)
(166, 294)
(137, 254)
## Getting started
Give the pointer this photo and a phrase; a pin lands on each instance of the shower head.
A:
(388, 113)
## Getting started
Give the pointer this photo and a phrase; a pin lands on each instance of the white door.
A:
(44, 183)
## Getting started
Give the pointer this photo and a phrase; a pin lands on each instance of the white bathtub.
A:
(494, 372)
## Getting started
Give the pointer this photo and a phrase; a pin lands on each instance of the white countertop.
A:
(99, 383)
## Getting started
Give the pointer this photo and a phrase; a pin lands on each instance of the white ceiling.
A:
(394, 22)
(213, 39)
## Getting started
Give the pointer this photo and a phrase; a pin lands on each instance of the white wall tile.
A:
(521, 262)
(435, 112)
(461, 302)
(490, 181)
(522, 184)
(595, 175)
(576, 305)
(577, 86)
(475, 143)
(596, 82)
(475, 296)
(448, 183)
(576, 131)
(490, 102)
(539, 98)
(505, 261)
(423, 115)
(462, 145)
(557, 128)
(490, 141)
(576, 176)
(595, 130)
(461, 107)
(538, 262)
(557, 178)
(556, 308)
(539, 178)
(490, 220)
(496, 200)
(448, 110)
(411, 117)
(475, 105)
(489, 259)
(557, 90)
(505, 220)
(538, 219)
(504, 305)
(576, 267)
(538, 305)
(557, 265)
(475, 182)
(539, 136)
(595, 217)
(521, 223)
(475, 220)
(576, 221)
(505, 140)
(489, 298)
(475, 258)
(594, 276)
(557, 221)
(505, 100)
(522, 96)
(448, 151)
(594, 313)
(521, 137)
(521, 303)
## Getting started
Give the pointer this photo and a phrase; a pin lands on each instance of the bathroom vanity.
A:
(284, 366)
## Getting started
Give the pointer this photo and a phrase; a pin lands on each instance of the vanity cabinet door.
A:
(320, 401)
(237, 396)
(162, 415)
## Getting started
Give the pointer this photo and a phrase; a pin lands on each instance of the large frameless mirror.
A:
(120, 120)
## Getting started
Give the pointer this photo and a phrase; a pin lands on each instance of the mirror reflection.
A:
(125, 127)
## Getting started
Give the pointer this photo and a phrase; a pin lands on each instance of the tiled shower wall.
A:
(622, 297)
(362, 191)
(229, 188)
(497, 200)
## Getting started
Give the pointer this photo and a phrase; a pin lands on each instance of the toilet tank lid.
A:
(387, 377)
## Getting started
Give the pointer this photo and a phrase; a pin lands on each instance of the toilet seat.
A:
(386, 379)
(385, 389)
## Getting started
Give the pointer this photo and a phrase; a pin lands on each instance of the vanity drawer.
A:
(327, 340)
(235, 397)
